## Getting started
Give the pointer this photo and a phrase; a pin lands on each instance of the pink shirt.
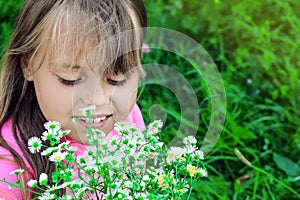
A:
(7, 163)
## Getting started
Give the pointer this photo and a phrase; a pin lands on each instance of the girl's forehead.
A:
(75, 49)
(74, 40)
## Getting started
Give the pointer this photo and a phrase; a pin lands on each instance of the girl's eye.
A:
(69, 82)
(116, 83)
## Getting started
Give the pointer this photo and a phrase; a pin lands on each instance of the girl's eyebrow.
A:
(69, 66)
(66, 66)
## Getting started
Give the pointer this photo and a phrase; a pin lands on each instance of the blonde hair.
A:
(112, 29)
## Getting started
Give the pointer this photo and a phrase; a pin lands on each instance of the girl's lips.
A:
(98, 122)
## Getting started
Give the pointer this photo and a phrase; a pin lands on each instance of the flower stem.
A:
(248, 163)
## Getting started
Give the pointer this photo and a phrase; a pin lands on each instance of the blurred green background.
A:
(255, 45)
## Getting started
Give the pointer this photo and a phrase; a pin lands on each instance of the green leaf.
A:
(286, 165)
(242, 132)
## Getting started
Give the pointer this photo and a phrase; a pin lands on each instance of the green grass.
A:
(255, 46)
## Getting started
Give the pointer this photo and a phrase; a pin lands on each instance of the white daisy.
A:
(34, 144)
(203, 172)
(190, 140)
(190, 148)
(124, 127)
(198, 154)
(52, 126)
(46, 196)
(141, 195)
(48, 151)
(58, 156)
(174, 153)
(32, 183)
(155, 127)
(65, 132)
(46, 136)
(146, 178)
(64, 145)
(128, 184)
(43, 179)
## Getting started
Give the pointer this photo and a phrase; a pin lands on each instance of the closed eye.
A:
(69, 82)
(116, 83)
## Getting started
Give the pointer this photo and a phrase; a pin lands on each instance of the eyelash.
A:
(116, 83)
(69, 82)
(74, 82)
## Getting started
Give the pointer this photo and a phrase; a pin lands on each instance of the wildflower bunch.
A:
(135, 164)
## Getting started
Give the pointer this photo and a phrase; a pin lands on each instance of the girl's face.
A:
(63, 88)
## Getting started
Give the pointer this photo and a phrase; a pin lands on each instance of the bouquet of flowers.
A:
(135, 164)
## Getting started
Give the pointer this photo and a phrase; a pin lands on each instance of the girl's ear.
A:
(27, 71)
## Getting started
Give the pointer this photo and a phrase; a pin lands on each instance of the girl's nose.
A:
(97, 95)
(101, 95)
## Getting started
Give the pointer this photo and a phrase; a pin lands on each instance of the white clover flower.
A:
(203, 172)
(17, 172)
(32, 183)
(43, 179)
(52, 126)
(46, 196)
(34, 144)
(189, 140)
(58, 156)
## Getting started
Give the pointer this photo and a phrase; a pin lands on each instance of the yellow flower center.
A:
(192, 170)
(57, 158)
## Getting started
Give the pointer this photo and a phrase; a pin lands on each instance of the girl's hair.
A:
(52, 25)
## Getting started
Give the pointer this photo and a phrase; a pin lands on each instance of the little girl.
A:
(65, 55)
